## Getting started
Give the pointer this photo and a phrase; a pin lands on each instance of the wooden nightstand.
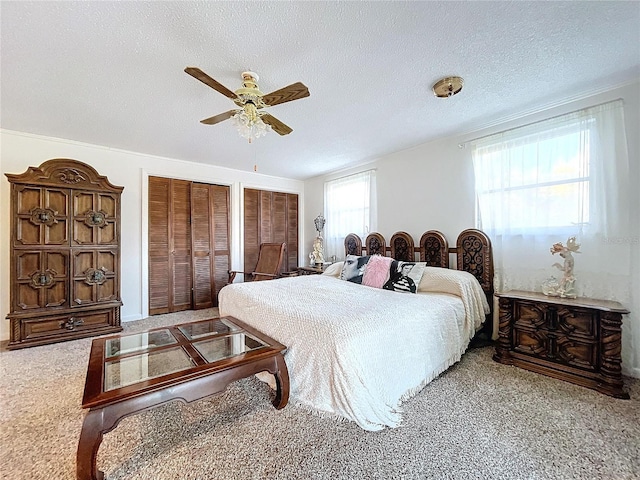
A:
(577, 340)
(311, 270)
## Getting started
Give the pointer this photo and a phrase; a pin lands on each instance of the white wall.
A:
(431, 186)
(18, 151)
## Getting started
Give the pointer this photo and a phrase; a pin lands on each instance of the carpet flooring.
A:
(478, 420)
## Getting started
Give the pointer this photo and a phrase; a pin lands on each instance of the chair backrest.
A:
(270, 260)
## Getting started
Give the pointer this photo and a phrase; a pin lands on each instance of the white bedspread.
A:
(357, 351)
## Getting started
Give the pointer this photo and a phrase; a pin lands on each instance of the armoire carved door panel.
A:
(94, 276)
(41, 216)
(94, 218)
(65, 246)
(188, 244)
(40, 279)
(270, 217)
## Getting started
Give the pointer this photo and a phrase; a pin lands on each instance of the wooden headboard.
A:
(473, 252)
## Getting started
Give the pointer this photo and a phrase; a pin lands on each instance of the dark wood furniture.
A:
(189, 246)
(128, 374)
(310, 270)
(269, 264)
(270, 217)
(577, 340)
(65, 254)
(473, 254)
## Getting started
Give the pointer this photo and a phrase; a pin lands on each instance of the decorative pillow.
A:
(404, 276)
(334, 269)
(353, 268)
(377, 272)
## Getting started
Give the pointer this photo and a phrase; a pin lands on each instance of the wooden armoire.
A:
(270, 217)
(65, 254)
(189, 252)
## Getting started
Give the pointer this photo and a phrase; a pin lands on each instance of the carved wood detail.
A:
(475, 256)
(611, 346)
(434, 249)
(375, 244)
(402, 248)
(353, 245)
(503, 346)
(64, 172)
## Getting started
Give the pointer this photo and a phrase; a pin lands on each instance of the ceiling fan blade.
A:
(277, 126)
(207, 80)
(294, 91)
(218, 118)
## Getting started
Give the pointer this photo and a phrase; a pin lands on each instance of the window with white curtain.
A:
(537, 181)
(349, 207)
(542, 183)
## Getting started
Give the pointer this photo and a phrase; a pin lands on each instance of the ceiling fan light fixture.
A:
(447, 87)
(249, 124)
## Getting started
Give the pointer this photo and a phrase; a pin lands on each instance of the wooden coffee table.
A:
(128, 374)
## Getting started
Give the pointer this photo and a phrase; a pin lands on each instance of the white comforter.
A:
(357, 351)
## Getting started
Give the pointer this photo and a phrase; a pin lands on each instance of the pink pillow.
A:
(377, 272)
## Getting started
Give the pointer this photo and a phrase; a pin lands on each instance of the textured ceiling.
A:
(111, 73)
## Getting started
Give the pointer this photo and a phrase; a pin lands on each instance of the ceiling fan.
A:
(250, 119)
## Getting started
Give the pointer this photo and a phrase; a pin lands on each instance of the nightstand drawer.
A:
(577, 322)
(560, 349)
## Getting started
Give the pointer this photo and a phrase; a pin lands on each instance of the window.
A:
(535, 181)
(350, 207)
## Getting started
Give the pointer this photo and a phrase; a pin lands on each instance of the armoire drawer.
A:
(65, 326)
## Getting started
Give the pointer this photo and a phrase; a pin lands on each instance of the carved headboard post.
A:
(402, 247)
(475, 256)
(375, 244)
(434, 249)
(352, 245)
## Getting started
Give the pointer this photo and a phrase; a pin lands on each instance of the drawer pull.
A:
(71, 323)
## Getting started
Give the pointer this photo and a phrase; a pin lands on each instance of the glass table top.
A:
(228, 346)
(128, 370)
(138, 357)
(210, 327)
(139, 341)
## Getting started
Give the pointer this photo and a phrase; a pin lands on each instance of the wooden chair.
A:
(269, 264)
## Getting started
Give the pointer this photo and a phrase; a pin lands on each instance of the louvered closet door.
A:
(169, 245)
(221, 238)
(292, 232)
(270, 217)
(210, 242)
(251, 230)
(189, 254)
(180, 245)
(159, 277)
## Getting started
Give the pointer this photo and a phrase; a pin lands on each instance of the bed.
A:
(357, 352)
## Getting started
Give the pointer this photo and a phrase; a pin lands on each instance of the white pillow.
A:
(334, 269)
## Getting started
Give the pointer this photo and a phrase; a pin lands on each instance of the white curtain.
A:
(543, 183)
(349, 207)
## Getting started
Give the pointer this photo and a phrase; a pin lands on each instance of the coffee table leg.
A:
(90, 440)
(282, 383)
